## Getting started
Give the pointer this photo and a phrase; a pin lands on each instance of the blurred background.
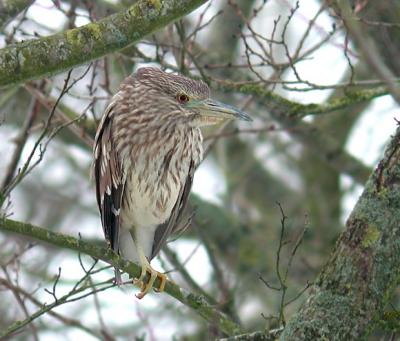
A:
(271, 197)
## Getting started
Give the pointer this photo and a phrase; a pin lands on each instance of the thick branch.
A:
(49, 55)
(355, 285)
(197, 302)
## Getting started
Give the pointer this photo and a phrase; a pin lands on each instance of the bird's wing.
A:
(174, 223)
(109, 179)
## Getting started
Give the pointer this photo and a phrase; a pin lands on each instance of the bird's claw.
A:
(146, 286)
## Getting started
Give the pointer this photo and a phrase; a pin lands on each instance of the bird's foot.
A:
(145, 286)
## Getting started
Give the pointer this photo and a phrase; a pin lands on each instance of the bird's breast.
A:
(154, 180)
(148, 203)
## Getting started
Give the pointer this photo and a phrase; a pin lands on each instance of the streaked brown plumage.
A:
(147, 147)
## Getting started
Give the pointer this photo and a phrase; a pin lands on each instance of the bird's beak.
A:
(212, 110)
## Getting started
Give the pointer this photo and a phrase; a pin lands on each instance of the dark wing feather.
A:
(109, 180)
(174, 223)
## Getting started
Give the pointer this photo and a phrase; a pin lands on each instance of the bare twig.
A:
(173, 259)
(29, 165)
(63, 319)
(20, 142)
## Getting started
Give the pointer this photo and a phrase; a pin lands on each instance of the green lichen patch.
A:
(95, 30)
(155, 3)
(372, 234)
(86, 43)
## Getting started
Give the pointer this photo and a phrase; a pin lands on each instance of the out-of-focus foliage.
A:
(270, 199)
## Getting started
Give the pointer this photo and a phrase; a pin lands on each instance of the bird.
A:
(147, 147)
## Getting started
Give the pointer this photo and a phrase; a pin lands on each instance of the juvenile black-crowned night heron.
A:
(147, 147)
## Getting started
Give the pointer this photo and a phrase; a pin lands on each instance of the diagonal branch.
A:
(11, 8)
(196, 302)
(53, 54)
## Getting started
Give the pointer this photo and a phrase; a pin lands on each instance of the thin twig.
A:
(173, 259)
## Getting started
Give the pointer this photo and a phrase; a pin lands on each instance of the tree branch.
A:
(368, 47)
(196, 302)
(296, 110)
(288, 114)
(11, 8)
(49, 55)
(61, 318)
(352, 290)
(270, 335)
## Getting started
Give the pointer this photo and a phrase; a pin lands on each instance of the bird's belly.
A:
(148, 203)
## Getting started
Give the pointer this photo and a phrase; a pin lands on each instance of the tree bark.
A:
(355, 285)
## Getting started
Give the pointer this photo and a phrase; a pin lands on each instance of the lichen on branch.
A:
(46, 56)
(196, 302)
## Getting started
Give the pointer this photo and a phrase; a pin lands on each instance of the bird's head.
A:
(188, 100)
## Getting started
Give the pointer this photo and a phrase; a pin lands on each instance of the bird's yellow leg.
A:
(146, 267)
(144, 264)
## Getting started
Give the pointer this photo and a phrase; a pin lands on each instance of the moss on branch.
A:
(355, 285)
(196, 302)
(46, 56)
(296, 110)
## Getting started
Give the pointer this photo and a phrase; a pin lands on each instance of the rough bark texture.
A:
(355, 285)
(49, 55)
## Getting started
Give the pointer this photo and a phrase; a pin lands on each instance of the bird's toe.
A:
(163, 281)
(146, 286)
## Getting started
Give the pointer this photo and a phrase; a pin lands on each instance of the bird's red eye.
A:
(182, 98)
